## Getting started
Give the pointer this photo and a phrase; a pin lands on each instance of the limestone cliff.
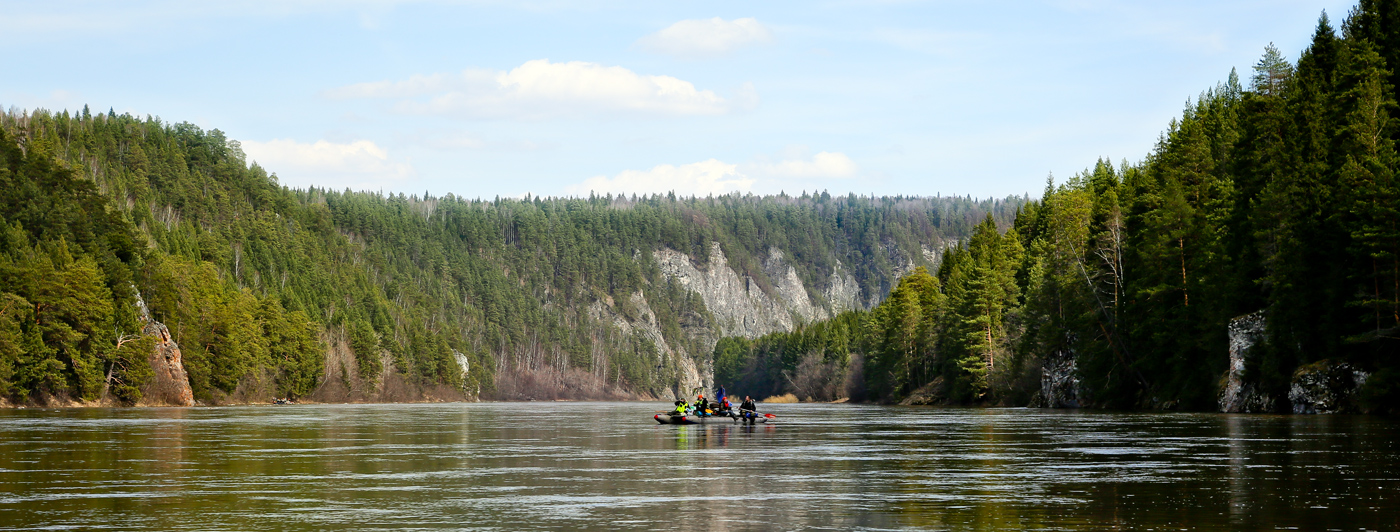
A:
(1322, 387)
(170, 385)
(843, 291)
(1236, 395)
(740, 307)
(690, 374)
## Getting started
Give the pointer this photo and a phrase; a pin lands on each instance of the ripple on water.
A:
(513, 466)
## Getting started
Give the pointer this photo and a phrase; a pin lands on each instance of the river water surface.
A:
(512, 466)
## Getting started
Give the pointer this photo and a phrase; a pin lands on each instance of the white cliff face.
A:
(463, 363)
(646, 325)
(934, 255)
(1236, 395)
(900, 264)
(738, 305)
(842, 292)
(792, 294)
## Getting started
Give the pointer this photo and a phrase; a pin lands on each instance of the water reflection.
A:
(589, 465)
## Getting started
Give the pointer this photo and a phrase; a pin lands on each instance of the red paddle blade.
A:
(769, 415)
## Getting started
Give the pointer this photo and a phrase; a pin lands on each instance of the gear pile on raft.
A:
(703, 412)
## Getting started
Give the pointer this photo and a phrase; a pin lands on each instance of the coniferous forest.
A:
(1273, 196)
(1279, 198)
(272, 292)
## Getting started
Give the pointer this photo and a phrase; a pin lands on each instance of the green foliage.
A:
(66, 263)
(900, 334)
(365, 343)
(732, 354)
(774, 364)
(1283, 197)
(129, 369)
(248, 274)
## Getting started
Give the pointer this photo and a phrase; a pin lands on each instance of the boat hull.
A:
(668, 419)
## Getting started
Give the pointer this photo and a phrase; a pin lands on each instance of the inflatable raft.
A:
(670, 419)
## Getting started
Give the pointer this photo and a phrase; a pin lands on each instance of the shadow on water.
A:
(515, 466)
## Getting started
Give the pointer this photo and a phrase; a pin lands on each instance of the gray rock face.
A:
(739, 306)
(646, 325)
(1246, 332)
(843, 292)
(1059, 382)
(934, 255)
(792, 294)
(170, 385)
(1326, 387)
(463, 363)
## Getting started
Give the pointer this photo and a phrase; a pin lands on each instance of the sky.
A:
(487, 99)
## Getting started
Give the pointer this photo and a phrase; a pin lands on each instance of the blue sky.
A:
(486, 98)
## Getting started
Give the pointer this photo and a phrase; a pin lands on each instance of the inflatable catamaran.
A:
(730, 419)
(703, 412)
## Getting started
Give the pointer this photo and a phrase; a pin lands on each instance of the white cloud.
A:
(694, 179)
(707, 37)
(823, 165)
(359, 165)
(718, 177)
(540, 89)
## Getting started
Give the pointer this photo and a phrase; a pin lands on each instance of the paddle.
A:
(769, 416)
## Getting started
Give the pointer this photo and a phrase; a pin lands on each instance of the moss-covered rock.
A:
(1326, 387)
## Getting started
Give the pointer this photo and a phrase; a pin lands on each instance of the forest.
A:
(329, 295)
(1280, 198)
(1276, 200)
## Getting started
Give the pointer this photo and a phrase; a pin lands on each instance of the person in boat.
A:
(702, 406)
(748, 410)
(721, 402)
(725, 409)
(681, 407)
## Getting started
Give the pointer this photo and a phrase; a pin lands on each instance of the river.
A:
(512, 466)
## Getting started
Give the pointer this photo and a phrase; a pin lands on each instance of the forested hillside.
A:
(340, 295)
(1118, 287)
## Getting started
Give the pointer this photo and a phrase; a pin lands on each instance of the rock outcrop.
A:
(170, 385)
(647, 326)
(737, 304)
(792, 294)
(1236, 395)
(740, 307)
(843, 291)
(463, 363)
(934, 255)
(933, 393)
(1326, 387)
(1059, 382)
